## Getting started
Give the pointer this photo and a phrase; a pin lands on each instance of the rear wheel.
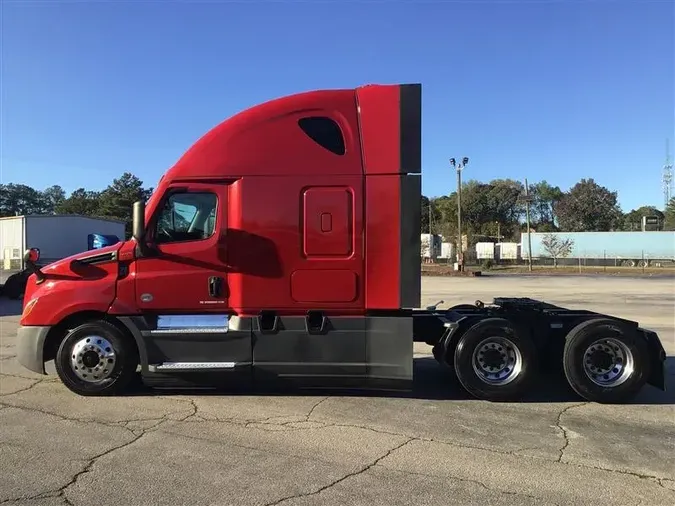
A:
(96, 358)
(494, 362)
(604, 361)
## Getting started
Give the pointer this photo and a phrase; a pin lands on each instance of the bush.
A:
(488, 264)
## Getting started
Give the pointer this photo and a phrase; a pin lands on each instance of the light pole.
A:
(459, 167)
(527, 198)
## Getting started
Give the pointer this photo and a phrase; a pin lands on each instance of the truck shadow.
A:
(10, 307)
(432, 382)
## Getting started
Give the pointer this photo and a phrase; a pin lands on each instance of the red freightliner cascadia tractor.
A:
(283, 248)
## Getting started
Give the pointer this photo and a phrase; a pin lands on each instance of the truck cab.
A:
(285, 243)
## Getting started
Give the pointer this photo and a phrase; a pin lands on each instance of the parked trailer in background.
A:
(507, 251)
(628, 249)
(447, 251)
(499, 251)
(485, 250)
(431, 246)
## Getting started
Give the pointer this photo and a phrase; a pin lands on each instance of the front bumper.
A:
(30, 343)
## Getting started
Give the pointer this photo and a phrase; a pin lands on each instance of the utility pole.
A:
(459, 167)
(527, 219)
(667, 178)
(430, 217)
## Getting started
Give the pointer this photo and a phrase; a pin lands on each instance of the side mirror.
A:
(138, 221)
(31, 255)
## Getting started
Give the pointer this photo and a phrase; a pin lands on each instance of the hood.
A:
(85, 263)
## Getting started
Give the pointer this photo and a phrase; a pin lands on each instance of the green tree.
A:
(51, 198)
(19, 199)
(81, 201)
(669, 216)
(116, 201)
(426, 203)
(542, 209)
(484, 205)
(445, 216)
(588, 207)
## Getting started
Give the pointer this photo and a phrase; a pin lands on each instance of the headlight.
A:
(28, 307)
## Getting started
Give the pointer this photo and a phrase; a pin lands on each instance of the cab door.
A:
(182, 289)
(186, 270)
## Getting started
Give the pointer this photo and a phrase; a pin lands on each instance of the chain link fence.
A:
(605, 260)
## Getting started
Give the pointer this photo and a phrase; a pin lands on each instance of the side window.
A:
(189, 216)
(325, 132)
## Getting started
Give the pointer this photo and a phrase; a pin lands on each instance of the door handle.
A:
(215, 286)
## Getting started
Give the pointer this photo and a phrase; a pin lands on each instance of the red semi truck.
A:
(284, 247)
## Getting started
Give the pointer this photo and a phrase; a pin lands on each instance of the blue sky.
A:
(555, 90)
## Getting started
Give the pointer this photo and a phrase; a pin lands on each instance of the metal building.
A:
(56, 236)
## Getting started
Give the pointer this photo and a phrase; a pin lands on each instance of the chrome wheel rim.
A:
(608, 362)
(497, 361)
(92, 359)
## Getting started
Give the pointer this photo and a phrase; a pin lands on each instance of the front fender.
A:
(58, 297)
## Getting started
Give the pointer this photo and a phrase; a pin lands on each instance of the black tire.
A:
(581, 337)
(15, 285)
(473, 383)
(123, 371)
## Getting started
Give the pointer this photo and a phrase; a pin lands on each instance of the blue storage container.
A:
(96, 241)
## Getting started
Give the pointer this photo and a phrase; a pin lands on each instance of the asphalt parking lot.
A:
(434, 446)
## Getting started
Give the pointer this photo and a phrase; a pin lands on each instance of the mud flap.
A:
(657, 355)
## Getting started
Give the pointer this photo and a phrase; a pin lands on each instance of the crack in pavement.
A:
(194, 416)
(563, 430)
(32, 385)
(292, 425)
(43, 378)
(341, 479)
(61, 491)
(664, 483)
(465, 480)
(311, 411)
(118, 424)
(561, 452)
(654, 479)
(265, 451)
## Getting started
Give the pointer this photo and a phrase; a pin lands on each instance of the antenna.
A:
(667, 177)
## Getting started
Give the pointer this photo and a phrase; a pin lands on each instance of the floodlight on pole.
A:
(459, 167)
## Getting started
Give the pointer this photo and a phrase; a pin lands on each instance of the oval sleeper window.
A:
(325, 132)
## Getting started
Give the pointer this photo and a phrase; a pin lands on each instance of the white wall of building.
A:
(56, 236)
(62, 236)
(11, 242)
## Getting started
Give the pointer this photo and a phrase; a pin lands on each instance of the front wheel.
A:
(604, 361)
(494, 362)
(96, 358)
